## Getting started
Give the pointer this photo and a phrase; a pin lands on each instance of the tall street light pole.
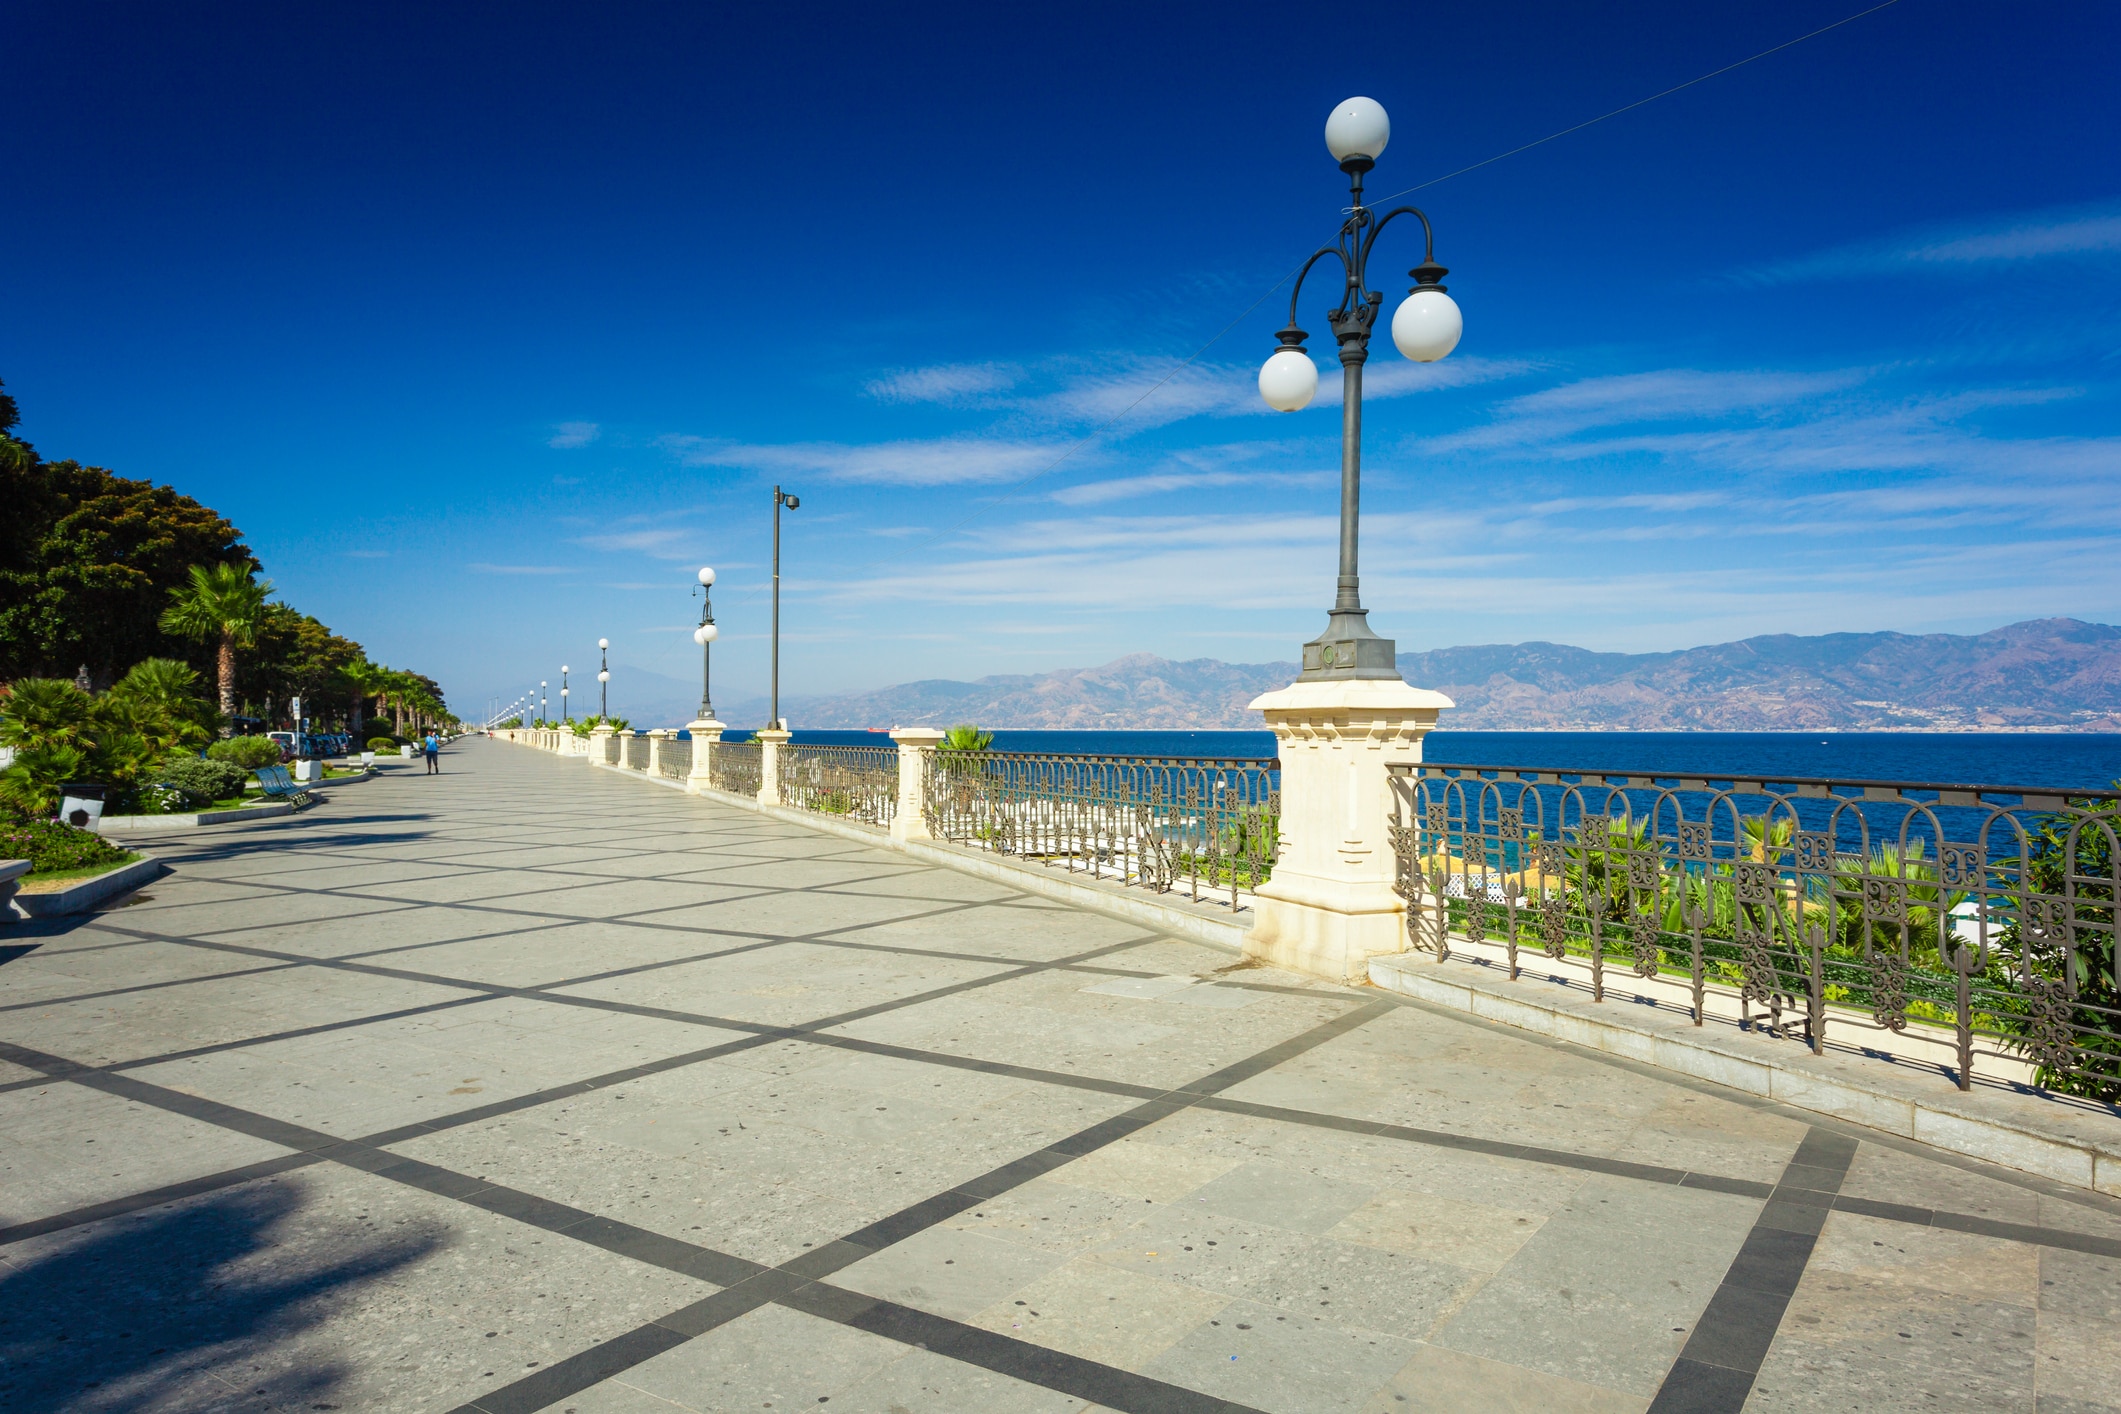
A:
(563, 694)
(1425, 328)
(603, 680)
(705, 636)
(780, 499)
(544, 703)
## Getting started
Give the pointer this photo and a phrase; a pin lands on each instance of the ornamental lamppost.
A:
(705, 635)
(563, 694)
(544, 703)
(1425, 328)
(780, 499)
(603, 679)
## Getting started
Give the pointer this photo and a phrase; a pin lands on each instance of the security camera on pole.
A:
(705, 731)
(1331, 906)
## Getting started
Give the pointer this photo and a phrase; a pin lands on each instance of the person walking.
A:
(434, 754)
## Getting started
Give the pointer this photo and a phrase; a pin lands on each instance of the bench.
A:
(275, 783)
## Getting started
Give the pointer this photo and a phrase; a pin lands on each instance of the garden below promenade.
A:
(536, 1086)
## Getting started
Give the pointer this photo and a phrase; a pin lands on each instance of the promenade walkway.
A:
(531, 1086)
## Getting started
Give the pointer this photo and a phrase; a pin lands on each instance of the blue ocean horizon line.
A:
(2083, 761)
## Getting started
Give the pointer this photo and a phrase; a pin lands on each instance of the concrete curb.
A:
(1132, 906)
(138, 824)
(2073, 1145)
(81, 897)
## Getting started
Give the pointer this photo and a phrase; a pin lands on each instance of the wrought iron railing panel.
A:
(636, 758)
(1203, 826)
(1983, 914)
(853, 782)
(735, 767)
(675, 759)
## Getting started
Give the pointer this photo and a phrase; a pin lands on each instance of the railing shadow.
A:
(158, 1310)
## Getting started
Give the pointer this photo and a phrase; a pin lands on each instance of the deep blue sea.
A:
(2086, 762)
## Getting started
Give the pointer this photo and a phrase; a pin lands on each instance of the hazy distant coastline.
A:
(2044, 675)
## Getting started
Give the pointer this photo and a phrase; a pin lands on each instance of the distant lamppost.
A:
(544, 703)
(563, 694)
(603, 679)
(1425, 328)
(780, 499)
(705, 635)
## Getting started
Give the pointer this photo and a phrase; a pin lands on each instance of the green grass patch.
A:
(39, 881)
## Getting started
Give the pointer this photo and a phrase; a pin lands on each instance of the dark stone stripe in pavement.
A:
(1715, 1372)
(155, 1197)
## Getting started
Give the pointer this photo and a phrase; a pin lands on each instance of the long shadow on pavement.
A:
(187, 1308)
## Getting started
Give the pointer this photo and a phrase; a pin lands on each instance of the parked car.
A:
(287, 744)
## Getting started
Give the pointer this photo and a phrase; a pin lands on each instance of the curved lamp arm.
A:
(1316, 256)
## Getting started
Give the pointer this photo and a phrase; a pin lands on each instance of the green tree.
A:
(87, 560)
(966, 737)
(224, 604)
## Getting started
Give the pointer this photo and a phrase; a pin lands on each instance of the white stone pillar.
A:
(622, 741)
(771, 740)
(1329, 907)
(655, 750)
(599, 744)
(706, 736)
(916, 756)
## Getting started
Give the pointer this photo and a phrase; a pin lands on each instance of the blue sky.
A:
(490, 326)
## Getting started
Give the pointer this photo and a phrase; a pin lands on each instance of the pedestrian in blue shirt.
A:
(434, 755)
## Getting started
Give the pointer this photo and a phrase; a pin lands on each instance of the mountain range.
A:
(2044, 674)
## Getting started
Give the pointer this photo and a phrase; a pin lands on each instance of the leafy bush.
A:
(246, 753)
(200, 781)
(382, 743)
(50, 846)
(61, 734)
(966, 737)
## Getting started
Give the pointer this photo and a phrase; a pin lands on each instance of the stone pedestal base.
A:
(1329, 908)
(1324, 928)
(706, 735)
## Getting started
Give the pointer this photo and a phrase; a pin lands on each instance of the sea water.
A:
(2084, 761)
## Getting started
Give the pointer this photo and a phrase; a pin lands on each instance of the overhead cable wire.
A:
(1010, 492)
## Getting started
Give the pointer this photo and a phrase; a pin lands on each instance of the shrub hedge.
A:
(50, 846)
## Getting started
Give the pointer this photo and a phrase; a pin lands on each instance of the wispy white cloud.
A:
(569, 435)
(2076, 232)
(944, 383)
(662, 542)
(1660, 395)
(1091, 493)
(940, 461)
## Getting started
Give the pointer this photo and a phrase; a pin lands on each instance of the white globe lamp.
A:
(1358, 128)
(603, 643)
(1427, 325)
(705, 634)
(1288, 380)
(603, 677)
(706, 576)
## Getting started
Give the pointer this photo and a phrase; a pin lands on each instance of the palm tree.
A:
(223, 603)
(363, 680)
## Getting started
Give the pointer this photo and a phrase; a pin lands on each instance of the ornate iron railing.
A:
(636, 758)
(1202, 825)
(675, 759)
(1980, 917)
(735, 767)
(854, 782)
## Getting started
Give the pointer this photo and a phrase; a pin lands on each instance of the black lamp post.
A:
(1425, 328)
(603, 680)
(780, 499)
(563, 694)
(544, 703)
(705, 636)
